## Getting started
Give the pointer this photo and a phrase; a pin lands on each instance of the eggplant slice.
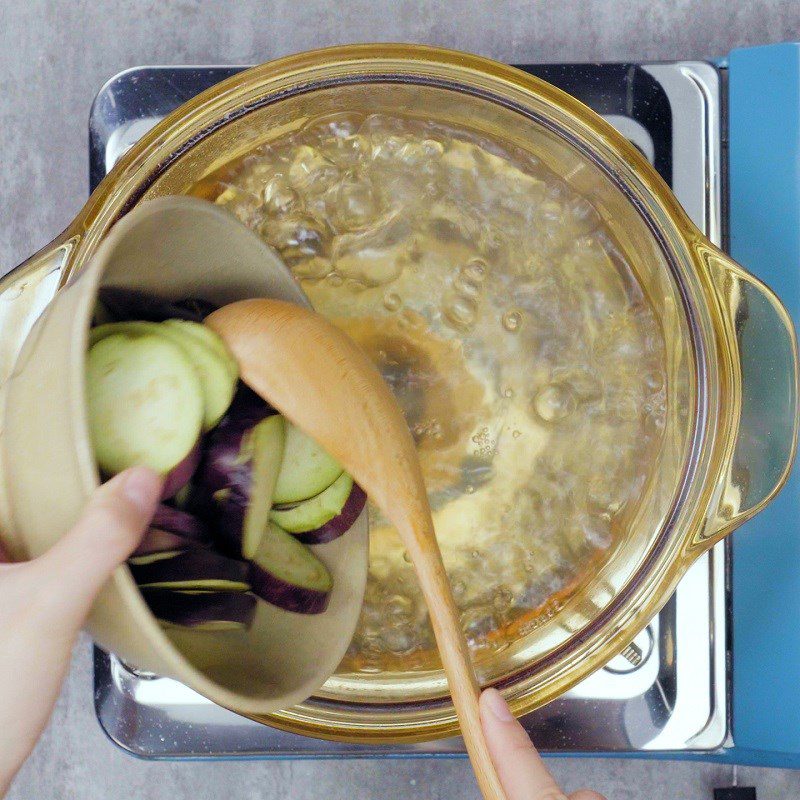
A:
(287, 574)
(122, 304)
(208, 611)
(197, 568)
(325, 517)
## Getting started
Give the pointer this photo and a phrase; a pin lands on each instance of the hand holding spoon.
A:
(320, 380)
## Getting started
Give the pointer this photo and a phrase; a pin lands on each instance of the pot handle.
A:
(764, 362)
(25, 292)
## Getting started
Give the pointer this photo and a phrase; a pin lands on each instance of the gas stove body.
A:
(673, 692)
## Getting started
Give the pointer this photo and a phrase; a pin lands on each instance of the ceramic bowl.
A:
(172, 247)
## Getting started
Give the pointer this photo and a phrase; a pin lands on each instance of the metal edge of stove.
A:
(647, 706)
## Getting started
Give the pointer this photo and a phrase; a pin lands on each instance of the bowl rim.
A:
(122, 580)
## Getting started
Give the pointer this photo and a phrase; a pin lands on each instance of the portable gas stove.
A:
(684, 687)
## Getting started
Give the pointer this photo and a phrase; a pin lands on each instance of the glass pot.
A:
(731, 355)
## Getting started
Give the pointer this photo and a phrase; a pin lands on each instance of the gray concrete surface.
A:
(54, 54)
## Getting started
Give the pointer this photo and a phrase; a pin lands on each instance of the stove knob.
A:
(735, 793)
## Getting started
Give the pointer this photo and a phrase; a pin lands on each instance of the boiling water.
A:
(528, 362)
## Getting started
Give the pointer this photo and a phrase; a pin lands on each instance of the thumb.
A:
(521, 769)
(108, 531)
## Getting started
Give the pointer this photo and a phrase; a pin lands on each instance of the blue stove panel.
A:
(764, 180)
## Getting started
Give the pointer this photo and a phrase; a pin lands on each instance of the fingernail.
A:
(142, 487)
(497, 705)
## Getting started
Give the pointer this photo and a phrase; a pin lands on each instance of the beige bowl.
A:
(173, 247)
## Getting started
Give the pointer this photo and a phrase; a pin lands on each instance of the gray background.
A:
(55, 54)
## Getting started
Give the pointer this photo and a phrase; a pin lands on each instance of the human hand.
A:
(44, 602)
(521, 769)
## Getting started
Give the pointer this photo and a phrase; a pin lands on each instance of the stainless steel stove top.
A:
(668, 690)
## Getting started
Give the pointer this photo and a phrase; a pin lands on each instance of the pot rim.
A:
(683, 246)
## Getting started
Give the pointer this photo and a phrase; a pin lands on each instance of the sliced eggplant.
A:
(325, 517)
(196, 568)
(208, 611)
(306, 469)
(217, 371)
(144, 403)
(179, 522)
(182, 498)
(248, 408)
(127, 304)
(143, 559)
(161, 541)
(179, 476)
(287, 574)
(209, 338)
(242, 494)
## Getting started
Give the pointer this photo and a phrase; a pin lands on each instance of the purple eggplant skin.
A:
(223, 465)
(129, 304)
(225, 474)
(223, 485)
(181, 474)
(193, 609)
(341, 523)
(285, 595)
(196, 564)
(157, 540)
(180, 523)
(247, 407)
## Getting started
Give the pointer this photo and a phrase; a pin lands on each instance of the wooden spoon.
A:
(320, 380)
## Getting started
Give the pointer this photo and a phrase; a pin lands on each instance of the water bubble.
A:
(398, 640)
(653, 380)
(335, 279)
(465, 287)
(392, 301)
(387, 148)
(412, 320)
(295, 237)
(312, 268)
(508, 392)
(460, 312)
(352, 150)
(475, 270)
(244, 205)
(512, 320)
(553, 403)
(311, 172)
(414, 154)
(279, 197)
(355, 205)
(432, 148)
(477, 622)
(406, 556)
(517, 434)
(399, 605)
(339, 125)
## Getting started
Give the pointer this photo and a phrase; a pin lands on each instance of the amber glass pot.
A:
(731, 354)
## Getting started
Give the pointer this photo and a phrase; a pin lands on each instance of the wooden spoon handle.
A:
(464, 688)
